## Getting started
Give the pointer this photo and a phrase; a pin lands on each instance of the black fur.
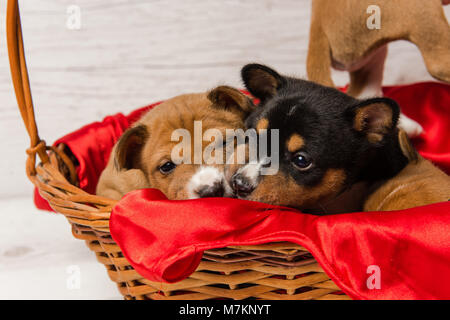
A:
(324, 118)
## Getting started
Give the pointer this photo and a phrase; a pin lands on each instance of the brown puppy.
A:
(142, 158)
(340, 37)
(418, 184)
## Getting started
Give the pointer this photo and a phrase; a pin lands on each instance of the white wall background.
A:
(128, 53)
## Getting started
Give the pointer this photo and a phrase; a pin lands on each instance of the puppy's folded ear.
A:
(375, 118)
(406, 146)
(129, 147)
(229, 98)
(262, 81)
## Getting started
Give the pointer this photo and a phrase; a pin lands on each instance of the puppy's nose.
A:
(241, 186)
(215, 190)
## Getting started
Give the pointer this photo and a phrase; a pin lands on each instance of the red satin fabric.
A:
(164, 243)
(429, 104)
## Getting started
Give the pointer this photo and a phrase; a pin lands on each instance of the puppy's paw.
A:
(208, 182)
(115, 184)
(246, 178)
(411, 127)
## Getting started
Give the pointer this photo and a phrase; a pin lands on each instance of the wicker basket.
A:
(269, 271)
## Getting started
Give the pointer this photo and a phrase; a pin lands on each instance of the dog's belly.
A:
(348, 66)
(350, 62)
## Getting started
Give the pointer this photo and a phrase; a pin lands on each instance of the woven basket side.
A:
(250, 277)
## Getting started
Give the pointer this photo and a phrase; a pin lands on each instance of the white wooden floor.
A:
(128, 53)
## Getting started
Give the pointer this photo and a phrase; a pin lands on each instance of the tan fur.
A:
(339, 37)
(262, 124)
(295, 143)
(418, 184)
(281, 189)
(161, 121)
(407, 147)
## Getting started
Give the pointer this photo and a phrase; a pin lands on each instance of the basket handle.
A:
(19, 74)
(21, 84)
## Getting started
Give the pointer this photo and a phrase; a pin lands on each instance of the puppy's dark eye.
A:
(302, 161)
(167, 167)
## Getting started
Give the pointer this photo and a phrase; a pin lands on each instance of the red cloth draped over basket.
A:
(411, 247)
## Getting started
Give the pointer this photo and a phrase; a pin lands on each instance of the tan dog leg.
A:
(433, 41)
(366, 81)
(318, 62)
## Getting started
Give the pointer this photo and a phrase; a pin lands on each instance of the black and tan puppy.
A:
(332, 147)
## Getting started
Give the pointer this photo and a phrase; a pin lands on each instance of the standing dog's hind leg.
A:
(366, 81)
(318, 61)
